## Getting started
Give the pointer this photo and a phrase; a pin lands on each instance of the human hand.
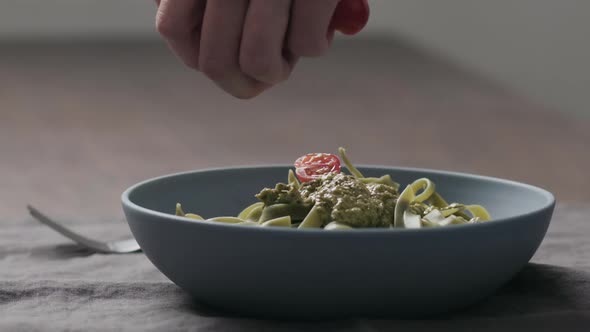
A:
(247, 46)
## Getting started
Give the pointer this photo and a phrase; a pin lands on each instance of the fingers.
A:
(261, 51)
(245, 46)
(179, 22)
(310, 20)
(221, 37)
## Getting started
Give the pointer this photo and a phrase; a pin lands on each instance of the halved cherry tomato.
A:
(350, 16)
(314, 165)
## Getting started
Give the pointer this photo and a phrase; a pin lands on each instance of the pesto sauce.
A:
(339, 197)
(281, 194)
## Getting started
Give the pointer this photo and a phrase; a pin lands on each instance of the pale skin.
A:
(245, 46)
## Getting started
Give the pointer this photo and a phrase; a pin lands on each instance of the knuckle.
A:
(309, 48)
(191, 62)
(166, 26)
(246, 94)
(258, 65)
(213, 68)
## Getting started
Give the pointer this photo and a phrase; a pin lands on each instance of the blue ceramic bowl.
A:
(309, 274)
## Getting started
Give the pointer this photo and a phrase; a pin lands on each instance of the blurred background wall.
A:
(538, 48)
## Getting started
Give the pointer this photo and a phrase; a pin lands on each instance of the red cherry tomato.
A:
(350, 16)
(314, 165)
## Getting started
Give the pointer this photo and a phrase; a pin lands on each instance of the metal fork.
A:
(114, 247)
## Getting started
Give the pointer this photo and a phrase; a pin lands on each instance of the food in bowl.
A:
(319, 195)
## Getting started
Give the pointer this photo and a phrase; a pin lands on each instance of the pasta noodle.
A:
(248, 211)
(376, 199)
(312, 220)
(292, 179)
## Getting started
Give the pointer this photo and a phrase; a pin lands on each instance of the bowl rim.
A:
(549, 204)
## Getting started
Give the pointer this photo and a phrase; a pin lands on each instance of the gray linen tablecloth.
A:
(48, 284)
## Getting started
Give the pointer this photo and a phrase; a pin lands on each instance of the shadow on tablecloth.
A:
(541, 297)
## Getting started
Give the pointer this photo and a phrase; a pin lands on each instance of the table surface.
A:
(81, 122)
